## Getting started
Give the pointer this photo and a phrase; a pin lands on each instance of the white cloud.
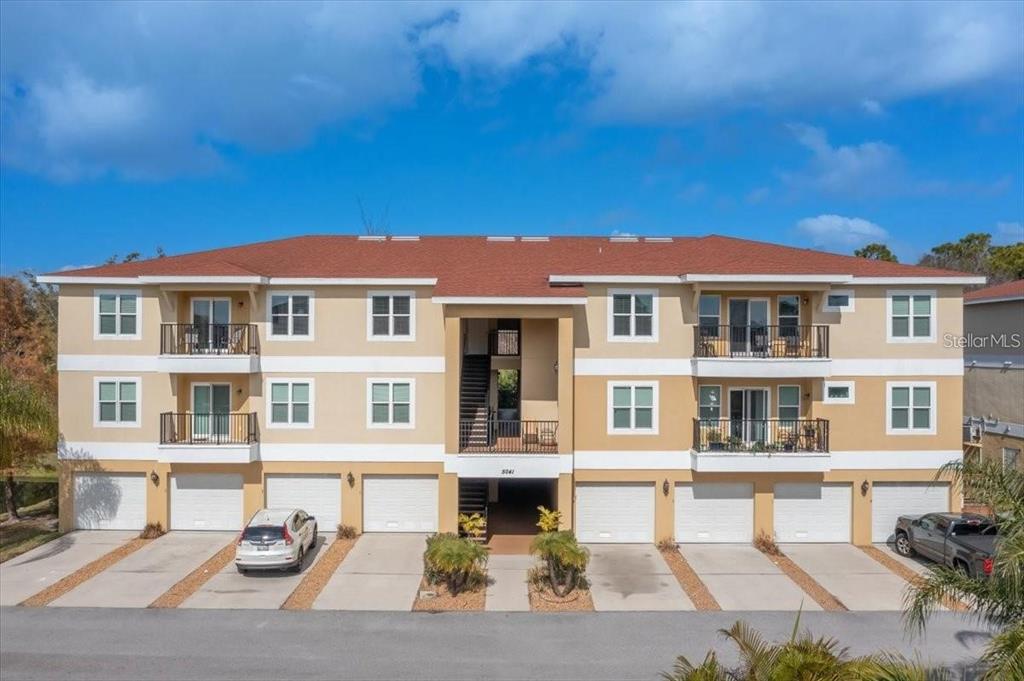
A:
(866, 168)
(839, 233)
(872, 107)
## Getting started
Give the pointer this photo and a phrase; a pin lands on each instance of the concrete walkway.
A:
(140, 578)
(742, 578)
(33, 571)
(381, 572)
(852, 576)
(918, 564)
(507, 588)
(633, 577)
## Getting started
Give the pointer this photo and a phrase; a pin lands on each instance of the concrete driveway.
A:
(230, 590)
(140, 578)
(33, 571)
(381, 572)
(742, 578)
(852, 576)
(918, 564)
(633, 577)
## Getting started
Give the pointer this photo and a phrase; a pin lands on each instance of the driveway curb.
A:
(822, 596)
(192, 582)
(690, 581)
(319, 574)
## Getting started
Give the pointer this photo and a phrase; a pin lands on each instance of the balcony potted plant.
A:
(714, 438)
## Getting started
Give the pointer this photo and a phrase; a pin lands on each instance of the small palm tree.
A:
(564, 557)
(459, 562)
(28, 425)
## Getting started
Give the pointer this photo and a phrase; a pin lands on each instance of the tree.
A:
(28, 426)
(975, 253)
(876, 251)
(1007, 262)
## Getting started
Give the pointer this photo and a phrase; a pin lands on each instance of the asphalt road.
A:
(86, 643)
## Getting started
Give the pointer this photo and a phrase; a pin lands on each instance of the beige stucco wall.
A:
(538, 378)
(77, 400)
(676, 408)
(675, 336)
(76, 310)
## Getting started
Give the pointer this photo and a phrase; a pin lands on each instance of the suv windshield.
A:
(963, 529)
(263, 533)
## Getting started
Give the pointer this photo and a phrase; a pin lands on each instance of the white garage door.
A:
(890, 500)
(615, 513)
(812, 512)
(318, 495)
(110, 501)
(206, 501)
(399, 503)
(715, 512)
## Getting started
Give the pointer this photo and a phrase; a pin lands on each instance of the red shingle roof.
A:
(1010, 289)
(476, 266)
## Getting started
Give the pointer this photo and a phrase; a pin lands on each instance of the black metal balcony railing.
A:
(237, 428)
(493, 436)
(503, 343)
(762, 341)
(208, 339)
(760, 435)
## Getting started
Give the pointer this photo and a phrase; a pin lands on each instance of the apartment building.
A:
(707, 389)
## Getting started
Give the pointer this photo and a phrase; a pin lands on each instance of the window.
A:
(117, 315)
(710, 402)
(390, 403)
(911, 316)
(390, 315)
(117, 402)
(839, 392)
(789, 316)
(839, 301)
(1011, 457)
(632, 408)
(911, 408)
(789, 402)
(291, 403)
(291, 315)
(709, 311)
(631, 316)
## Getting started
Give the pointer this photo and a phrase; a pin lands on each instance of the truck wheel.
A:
(903, 546)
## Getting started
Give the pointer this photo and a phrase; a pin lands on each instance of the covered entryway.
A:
(110, 501)
(714, 512)
(400, 503)
(615, 513)
(890, 500)
(812, 512)
(317, 495)
(206, 501)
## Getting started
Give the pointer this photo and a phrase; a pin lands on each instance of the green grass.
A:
(33, 530)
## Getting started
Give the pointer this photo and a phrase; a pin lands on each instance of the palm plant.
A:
(997, 601)
(28, 425)
(564, 559)
(456, 561)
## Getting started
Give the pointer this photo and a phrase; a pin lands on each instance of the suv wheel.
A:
(903, 546)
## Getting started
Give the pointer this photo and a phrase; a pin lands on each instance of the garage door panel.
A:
(206, 501)
(615, 513)
(890, 500)
(812, 512)
(318, 495)
(714, 512)
(110, 501)
(400, 503)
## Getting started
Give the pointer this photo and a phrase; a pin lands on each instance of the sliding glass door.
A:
(748, 411)
(748, 325)
(211, 409)
(210, 319)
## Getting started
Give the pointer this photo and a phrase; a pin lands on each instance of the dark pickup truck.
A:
(963, 541)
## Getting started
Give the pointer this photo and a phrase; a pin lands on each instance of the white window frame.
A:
(390, 382)
(933, 310)
(390, 338)
(799, 401)
(268, 418)
(851, 385)
(842, 308)
(720, 314)
(655, 407)
(117, 380)
(632, 338)
(701, 406)
(118, 336)
(799, 309)
(270, 316)
(933, 407)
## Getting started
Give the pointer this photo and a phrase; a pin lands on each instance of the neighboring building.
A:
(994, 373)
(707, 389)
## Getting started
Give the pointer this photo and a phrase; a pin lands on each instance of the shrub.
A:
(472, 525)
(152, 531)
(550, 520)
(346, 532)
(667, 544)
(564, 559)
(456, 561)
(766, 544)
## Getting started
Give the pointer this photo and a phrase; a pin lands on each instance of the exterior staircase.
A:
(473, 499)
(473, 401)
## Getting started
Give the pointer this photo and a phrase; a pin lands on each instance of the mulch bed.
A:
(317, 576)
(62, 586)
(177, 594)
(444, 601)
(820, 594)
(544, 600)
(688, 579)
(906, 573)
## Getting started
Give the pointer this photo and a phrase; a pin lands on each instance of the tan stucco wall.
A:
(76, 310)
(676, 408)
(538, 379)
(77, 399)
(675, 325)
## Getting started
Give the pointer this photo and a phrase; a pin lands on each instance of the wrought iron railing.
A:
(496, 436)
(504, 342)
(760, 435)
(188, 428)
(208, 339)
(762, 341)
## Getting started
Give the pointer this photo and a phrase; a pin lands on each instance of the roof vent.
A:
(371, 237)
(658, 239)
(501, 238)
(534, 238)
(623, 239)
(405, 238)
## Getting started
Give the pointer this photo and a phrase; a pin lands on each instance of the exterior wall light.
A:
(864, 488)
(155, 477)
(665, 487)
(351, 479)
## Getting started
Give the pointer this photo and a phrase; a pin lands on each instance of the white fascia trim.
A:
(897, 367)
(499, 300)
(208, 453)
(894, 459)
(755, 367)
(209, 364)
(889, 281)
(353, 364)
(632, 366)
(118, 451)
(377, 453)
(255, 279)
(58, 279)
(614, 279)
(348, 364)
(352, 281)
(1004, 299)
(133, 363)
(633, 460)
(768, 278)
(512, 466)
(720, 462)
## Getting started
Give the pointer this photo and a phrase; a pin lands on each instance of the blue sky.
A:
(124, 127)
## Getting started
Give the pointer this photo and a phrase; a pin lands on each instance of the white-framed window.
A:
(632, 407)
(709, 315)
(117, 402)
(910, 407)
(1011, 456)
(789, 402)
(118, 315)
(838, 301)
(838, 392)
(911, 316)
(290, 315)
(709, 402)
(290, 402)
(633, 315)
(789, 315)
(391, 316)
(390, 403)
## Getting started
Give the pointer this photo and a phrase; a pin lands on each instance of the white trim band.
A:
(897, 367)
(632, 366)
(413, 453)
(348, 364)
(633, 460)
(501, 300)
(894, 459)
(512, 466)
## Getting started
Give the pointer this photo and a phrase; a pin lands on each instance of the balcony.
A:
(209, 348)
(493, 436)
(187, 437)
(762, 350)
(761, 445)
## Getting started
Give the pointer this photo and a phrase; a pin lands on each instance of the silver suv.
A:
(275, 539)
